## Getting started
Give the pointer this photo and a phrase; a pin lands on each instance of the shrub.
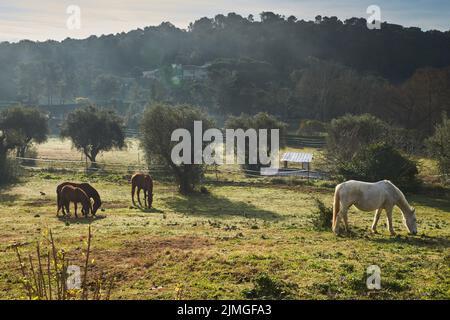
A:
(439, 146)
(348, 134)
(267, 288)
(322, 217)
(381, 161)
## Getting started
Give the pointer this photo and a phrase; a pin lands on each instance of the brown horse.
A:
(76, 195)
(144, 182)
(87, 188)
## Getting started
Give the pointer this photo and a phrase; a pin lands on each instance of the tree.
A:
(27, 125)
(106, 87)
(29, 82)
(259, 121)
(94, 130)
(439, 146)
(157, 126)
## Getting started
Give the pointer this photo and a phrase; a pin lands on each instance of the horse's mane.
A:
(400, 196)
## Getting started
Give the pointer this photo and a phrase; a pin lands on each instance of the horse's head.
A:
(409, 219)
(96, 206)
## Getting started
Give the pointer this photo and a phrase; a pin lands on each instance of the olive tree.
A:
(23, 126)
(94, 130)
(158, 124)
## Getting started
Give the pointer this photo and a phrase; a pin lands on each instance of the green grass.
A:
(217, 245)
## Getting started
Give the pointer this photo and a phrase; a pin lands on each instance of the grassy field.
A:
(215, 245)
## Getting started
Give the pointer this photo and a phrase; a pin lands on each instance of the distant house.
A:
(152, 74)
(191, 72)
(183, 72)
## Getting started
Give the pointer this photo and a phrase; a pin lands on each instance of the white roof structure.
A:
(298, 157)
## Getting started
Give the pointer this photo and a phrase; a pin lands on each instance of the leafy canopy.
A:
(24, 124)
(93, 130)
(157, 126)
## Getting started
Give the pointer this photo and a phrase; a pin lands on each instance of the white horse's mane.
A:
(401, 197)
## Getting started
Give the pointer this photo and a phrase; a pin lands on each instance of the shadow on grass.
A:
(81, 219)
(440, 203)
(213, 206)
(148, 210)
(420, 241)
(7, 197)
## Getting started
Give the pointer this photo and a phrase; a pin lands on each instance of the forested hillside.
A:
(294, 69)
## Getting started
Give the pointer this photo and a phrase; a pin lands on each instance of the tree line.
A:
(291, 68)
(358, 146)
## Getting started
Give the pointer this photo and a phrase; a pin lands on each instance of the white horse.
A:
(368, 197)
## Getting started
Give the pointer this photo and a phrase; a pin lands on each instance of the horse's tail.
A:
(336, 206)
(58, 200)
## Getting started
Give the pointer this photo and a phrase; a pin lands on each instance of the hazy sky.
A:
(46, 19)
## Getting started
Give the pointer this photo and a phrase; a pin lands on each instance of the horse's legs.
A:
(145, 198)
(342, 212)
(60, 206)
(139, 196)
(375, 219)
(58, 202)
(66, 205)
(389, 221)
(75, 205)
(345, 217)
(133, 190)
(150, 198)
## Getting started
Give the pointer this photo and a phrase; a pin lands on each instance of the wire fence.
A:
(108, 168)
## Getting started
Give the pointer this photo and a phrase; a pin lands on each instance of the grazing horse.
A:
(144, 182)
(368, 197)
(76, 195)
(87, 188)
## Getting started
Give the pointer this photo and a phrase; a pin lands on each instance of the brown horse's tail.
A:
(58, 200)
(336, 206)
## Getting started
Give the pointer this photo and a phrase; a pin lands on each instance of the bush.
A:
(267, 288)
(439, 146)
(322, 216)
(381, 161)
(348, 134)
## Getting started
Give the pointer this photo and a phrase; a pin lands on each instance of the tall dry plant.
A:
(45, 276)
